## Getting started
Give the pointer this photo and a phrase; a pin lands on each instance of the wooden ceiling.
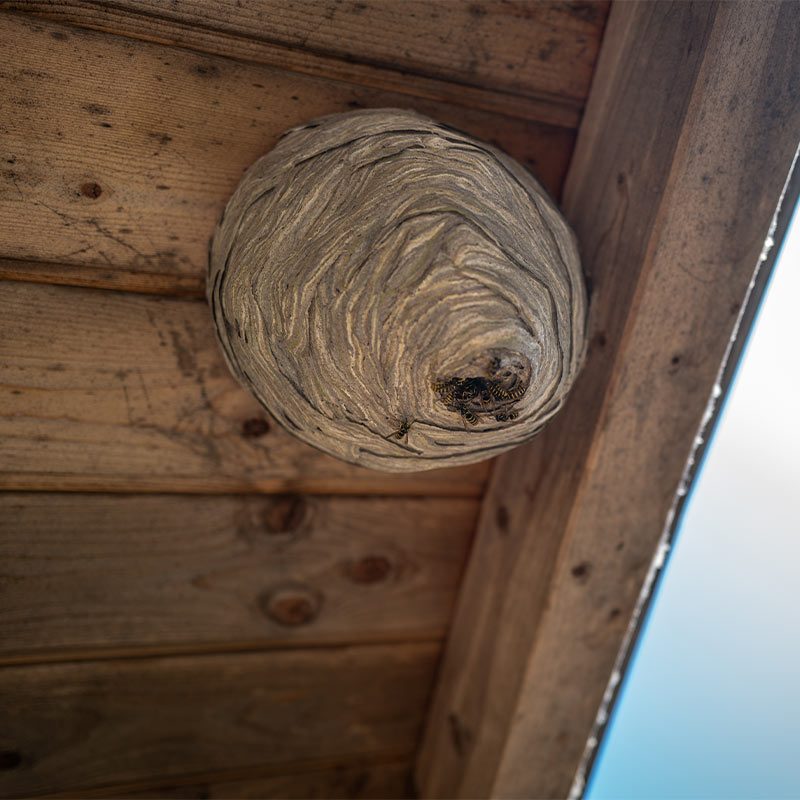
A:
(195, 603)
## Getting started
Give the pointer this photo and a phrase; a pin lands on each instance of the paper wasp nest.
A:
(397, 293)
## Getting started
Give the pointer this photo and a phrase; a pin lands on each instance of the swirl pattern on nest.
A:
(397, 293)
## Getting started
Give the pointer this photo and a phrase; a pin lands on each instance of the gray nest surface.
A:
(397, 293)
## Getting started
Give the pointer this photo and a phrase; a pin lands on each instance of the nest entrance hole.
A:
(491, 386)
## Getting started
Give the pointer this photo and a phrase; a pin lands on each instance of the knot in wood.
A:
(369, 569)
(292, 606)
(396, 293)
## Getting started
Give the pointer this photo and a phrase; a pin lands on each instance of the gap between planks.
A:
(88, 276)
(377, 486)
(144, 652)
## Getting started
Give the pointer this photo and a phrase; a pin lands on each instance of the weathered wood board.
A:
(91, 724)
(104, 572)
(120, 154)
(113, 391)
(528, 58)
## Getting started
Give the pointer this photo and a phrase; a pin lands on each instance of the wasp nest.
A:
(396, 293)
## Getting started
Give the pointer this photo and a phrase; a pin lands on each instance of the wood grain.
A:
(365, 780)
(119, 155)
(527, 59)
(117, 722)
(688, 137)
(109, 571)
(108, 391)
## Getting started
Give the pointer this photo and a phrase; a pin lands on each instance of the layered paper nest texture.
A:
(397, 293)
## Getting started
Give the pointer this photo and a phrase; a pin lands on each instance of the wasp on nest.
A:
(494, 393)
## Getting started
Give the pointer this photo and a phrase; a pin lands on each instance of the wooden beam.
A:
(85, 725)
(689, 133)
(109, 391)
(110, 573)
(528, 59)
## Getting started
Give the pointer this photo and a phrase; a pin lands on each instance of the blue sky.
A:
(710, 703)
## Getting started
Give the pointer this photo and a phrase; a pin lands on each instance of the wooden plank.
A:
(106, 571)
(528, 59)
(120, 155)
(106, 391)
(367, 780)
(689, 133)
(92, 724)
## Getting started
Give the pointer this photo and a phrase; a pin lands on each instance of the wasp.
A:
(467, 415)
(402, 431)
(474, 396)
(457, 392)
(446, 390)
(467, 396)
(504, 394)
